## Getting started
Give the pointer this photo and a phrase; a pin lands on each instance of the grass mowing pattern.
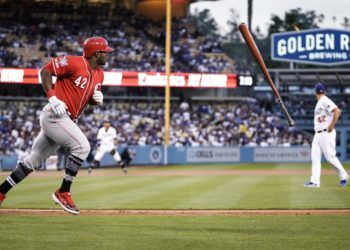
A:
(181, 232)
(152, 232)
(188, 191)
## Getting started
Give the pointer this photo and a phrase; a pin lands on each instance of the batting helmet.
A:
(95, 44)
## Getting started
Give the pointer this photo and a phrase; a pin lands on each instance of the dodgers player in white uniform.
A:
(107, 139)
(326, 116)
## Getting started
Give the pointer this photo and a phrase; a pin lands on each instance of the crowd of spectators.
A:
(138, 42)
(19, 125)
(142, 123)
(304, 107)
(199, 52)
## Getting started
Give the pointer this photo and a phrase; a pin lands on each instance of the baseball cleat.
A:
(125, 169)
(2, 198)
(310, 184)
(344, 182)
(65, 201)
(89, 170)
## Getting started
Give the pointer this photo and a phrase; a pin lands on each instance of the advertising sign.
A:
(133, 79)
(316, 46)
(281, 154)
(213, 154)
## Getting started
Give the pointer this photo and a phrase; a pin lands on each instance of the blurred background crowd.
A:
(139, 41)
(141, 123)
(30, 35)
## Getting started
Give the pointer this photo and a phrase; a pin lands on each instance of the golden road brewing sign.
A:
(316, 46)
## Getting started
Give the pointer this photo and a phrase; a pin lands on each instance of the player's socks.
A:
(5, 186)
(17, 175)
(66, 183)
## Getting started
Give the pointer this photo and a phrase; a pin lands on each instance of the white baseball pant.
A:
(56, 132)
(103, 149)
(324, 142)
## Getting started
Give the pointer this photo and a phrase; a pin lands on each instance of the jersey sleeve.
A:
(99, 85)
(97, 88)
(60, 66)
(103, 78)
(329, 105)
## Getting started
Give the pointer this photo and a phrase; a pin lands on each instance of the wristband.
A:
(50, 93)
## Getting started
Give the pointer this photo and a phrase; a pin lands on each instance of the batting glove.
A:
(98, 97)
(57, 106)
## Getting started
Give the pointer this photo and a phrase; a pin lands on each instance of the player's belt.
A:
(323, 130)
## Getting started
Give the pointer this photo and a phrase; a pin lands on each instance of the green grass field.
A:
(182, 187)
(152, 232)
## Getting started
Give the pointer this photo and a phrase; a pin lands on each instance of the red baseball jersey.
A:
(76, 81)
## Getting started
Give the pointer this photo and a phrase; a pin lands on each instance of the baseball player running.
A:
(79, 80)
(326, 116)
(107, 141)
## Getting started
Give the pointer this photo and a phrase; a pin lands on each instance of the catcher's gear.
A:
(95, 44)
(58, 107)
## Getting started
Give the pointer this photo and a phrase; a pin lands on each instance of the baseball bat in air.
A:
(257, 55)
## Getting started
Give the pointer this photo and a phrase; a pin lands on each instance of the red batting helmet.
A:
(94, 44)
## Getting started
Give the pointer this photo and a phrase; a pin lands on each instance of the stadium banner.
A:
(154, 155)
(282, 154)
(132, 79)
(314, 46)
(212, 154)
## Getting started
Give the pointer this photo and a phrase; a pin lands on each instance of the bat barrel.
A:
(259, 59)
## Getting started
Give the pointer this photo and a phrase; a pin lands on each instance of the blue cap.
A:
(320, 88)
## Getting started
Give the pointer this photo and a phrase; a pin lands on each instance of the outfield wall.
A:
(154, 155)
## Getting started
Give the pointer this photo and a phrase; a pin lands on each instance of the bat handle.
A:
(291, 122)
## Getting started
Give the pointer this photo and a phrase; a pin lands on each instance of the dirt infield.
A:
(94, 212)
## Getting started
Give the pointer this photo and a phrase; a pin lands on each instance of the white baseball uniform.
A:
(106, 138)
(324, 141)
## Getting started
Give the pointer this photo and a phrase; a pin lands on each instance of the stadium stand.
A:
(29, 39)
(195, 123)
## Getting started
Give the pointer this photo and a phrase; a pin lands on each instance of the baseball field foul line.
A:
(102, 212)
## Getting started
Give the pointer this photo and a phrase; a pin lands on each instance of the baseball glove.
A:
(112, 151)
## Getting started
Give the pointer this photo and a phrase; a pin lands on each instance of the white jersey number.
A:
(81, 82)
